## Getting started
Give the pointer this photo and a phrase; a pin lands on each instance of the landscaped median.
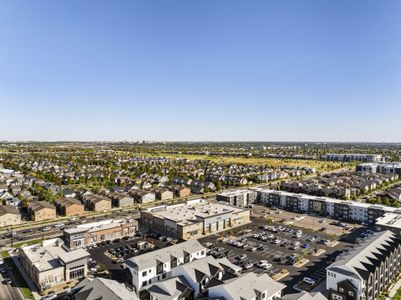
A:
(20, 281)
(280, 275)
(301, 263)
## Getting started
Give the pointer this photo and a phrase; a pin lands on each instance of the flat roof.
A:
(52, 254)
(390, 220)
(96, 226)
(192, 211)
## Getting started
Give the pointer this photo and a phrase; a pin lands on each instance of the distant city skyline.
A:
(313, 71)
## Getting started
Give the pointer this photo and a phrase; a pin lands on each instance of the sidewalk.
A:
(394, 289)
(31, 285)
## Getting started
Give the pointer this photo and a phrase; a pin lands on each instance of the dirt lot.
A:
(314, 223)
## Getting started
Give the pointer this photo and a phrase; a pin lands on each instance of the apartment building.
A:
(352, 211)
(67, 206)
(384, 168)
(50, 263)
(152, 267)
(354, 157)
(365, 271)
(91, 233)
(41, 210)
(239, 198)
(9, 216)
(206, 272)
(193, 219)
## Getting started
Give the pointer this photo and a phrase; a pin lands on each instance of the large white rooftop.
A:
(52, 254)
(192, 211)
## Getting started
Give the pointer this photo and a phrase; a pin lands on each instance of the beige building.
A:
(50, 263)
(193, 219)
(95, 202)
(41, 210)
(9, 215)
(164, 194)
(91, 233)
(182, 192)
(69, 207)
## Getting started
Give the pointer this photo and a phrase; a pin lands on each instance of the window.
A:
(144, 283)
(77, 271)
(351, 293)
(144, 273)
(341, 290)
(203, 252)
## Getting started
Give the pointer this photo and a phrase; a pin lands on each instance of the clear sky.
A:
(268, 70)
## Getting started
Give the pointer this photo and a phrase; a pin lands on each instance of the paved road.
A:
(9, 291)
(37, 232)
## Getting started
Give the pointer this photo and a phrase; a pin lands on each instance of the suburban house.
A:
(164, 194)
(41, 210)
(96, 202)
(120, 199)
(69, 207)
(182, 191)
(143, 196)
(9, 215)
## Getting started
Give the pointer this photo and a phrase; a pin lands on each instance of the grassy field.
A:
(21, 283)
(320, 166)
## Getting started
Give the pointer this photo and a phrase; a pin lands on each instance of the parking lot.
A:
(304, 220)
(279, 247)
(111, 254)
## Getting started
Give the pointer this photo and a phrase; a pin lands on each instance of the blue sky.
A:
(300, 70)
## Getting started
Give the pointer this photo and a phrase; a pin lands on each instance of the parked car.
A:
(242, 257)
(309, 280)
(248, 265)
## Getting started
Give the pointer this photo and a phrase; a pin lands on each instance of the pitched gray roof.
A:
(170, 288)
(304, 296)
(148, 260)
(102, 289)
(361, 259)
(5, 209)
(249, 286)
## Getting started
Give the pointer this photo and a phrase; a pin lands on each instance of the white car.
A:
(47, 228)
(1, 262)
(309, 280)
(264, 264)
